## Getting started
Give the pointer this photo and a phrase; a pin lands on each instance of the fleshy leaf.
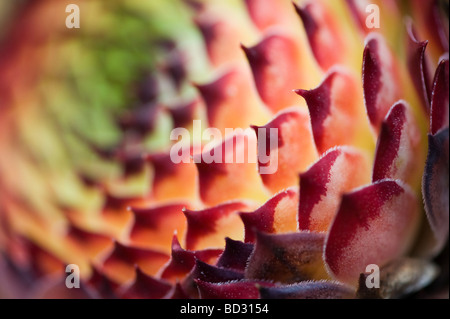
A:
(115, 211)
(337, 117)
(309, 290)
(146, 287)
(287, 258)
(154, 227)
(380, 78)
(418, 67)
(91, 243)
(182, 261)
(432, 23)
(439, 97)
(117, 204)
(209, 273)
(120, 264)
(105, 287)
(225, 96)
(207, 228)
(329, 41)
(435, 187)
(277, 215)
(232, 173)
(235, 255)
(167, 175)
(184, 114)
(398, 279)
(295, 151)
(374, 225)
(321, 187)
(242, 289)
(221, 37)
(278, 67)
(399, 149)
(269, 13)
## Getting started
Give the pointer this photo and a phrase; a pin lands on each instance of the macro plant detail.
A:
(359, 113)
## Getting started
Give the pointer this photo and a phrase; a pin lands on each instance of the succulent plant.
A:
(360, 111)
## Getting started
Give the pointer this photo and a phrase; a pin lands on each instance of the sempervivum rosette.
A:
(360, 115)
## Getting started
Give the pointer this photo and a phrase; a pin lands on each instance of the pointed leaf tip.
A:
(380, 76)
(272, 62)
(399, 149)
(277, 215)
(440, 97)
(418, 67)
(235, 255)
(337, 117)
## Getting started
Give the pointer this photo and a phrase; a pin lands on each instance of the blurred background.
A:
(78, 108)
